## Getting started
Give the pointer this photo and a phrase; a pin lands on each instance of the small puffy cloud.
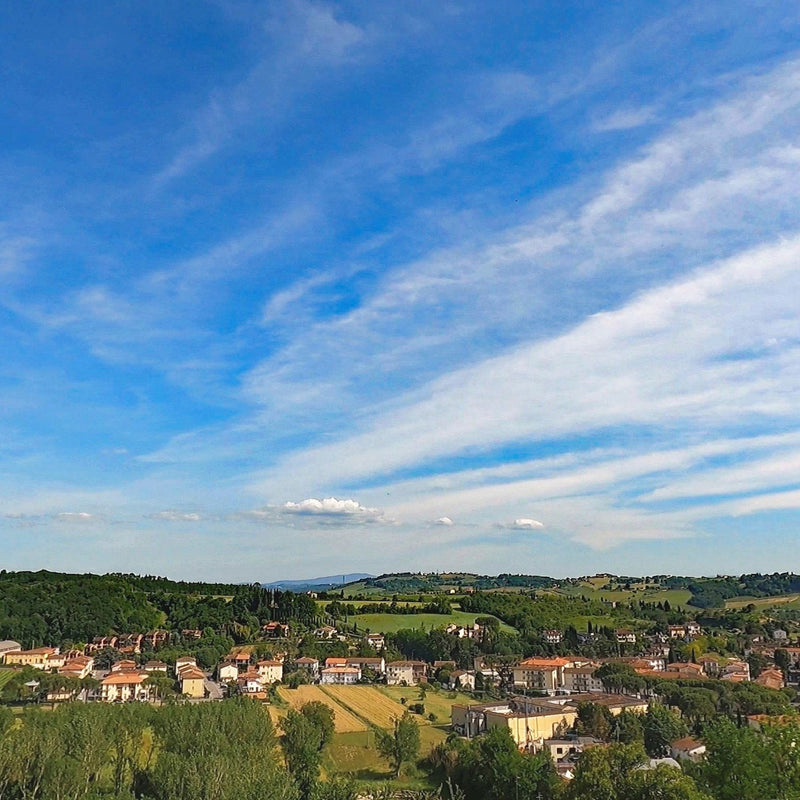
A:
(329, 505)
(177, 516)
(325, 511)
(446, 521)
(75, 517)
(524, 524)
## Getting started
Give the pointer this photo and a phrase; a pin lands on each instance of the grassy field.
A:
(361, 709)
(346, 721)
(437, 703)
(763, 602)
(5, 676)
(390, 623)
(354, 754)
(651, 593)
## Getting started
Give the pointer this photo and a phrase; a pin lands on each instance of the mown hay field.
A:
(345, 721)
(367, 703)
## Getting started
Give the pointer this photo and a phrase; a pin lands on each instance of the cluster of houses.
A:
(569, 674)
(251, 680)
(254, 679)
(125, 682)
(545, 723)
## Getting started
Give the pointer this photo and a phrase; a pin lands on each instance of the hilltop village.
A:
(557, 669)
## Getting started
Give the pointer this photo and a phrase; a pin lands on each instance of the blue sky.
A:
(296, 288)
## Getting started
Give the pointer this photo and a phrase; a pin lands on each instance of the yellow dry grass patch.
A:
(368, 703)
(344, 720)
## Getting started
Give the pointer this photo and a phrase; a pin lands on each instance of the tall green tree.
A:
(301, 747)
(401, 745)
(661, 728)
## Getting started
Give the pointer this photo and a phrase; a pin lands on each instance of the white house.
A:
(227, 672)
(341, 675)
(122, 687)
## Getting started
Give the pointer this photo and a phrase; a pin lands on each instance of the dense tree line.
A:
(46, 608)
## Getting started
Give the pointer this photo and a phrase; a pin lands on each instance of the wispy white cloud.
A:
(177, 516)
(626, 118)
(76, 517)
(302, 41)
(694, 351)
(707, 185)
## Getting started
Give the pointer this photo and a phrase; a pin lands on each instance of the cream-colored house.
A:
(540, 674)
(406, 673)
(183, 662)
(529, 725)
(38, 658)
(123, 687)
(581, 679)
(193, 682)
(79, 667)
(270, 671)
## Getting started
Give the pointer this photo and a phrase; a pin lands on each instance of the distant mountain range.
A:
(325, 582)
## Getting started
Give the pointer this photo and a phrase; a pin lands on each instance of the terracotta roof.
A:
(192, 675)
(122, 678)
(267, 663)
(687, 743)
(341, 670)
(545, 663)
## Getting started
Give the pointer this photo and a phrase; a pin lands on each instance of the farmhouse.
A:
(687, 749)
(275, 630)
(462, 679)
